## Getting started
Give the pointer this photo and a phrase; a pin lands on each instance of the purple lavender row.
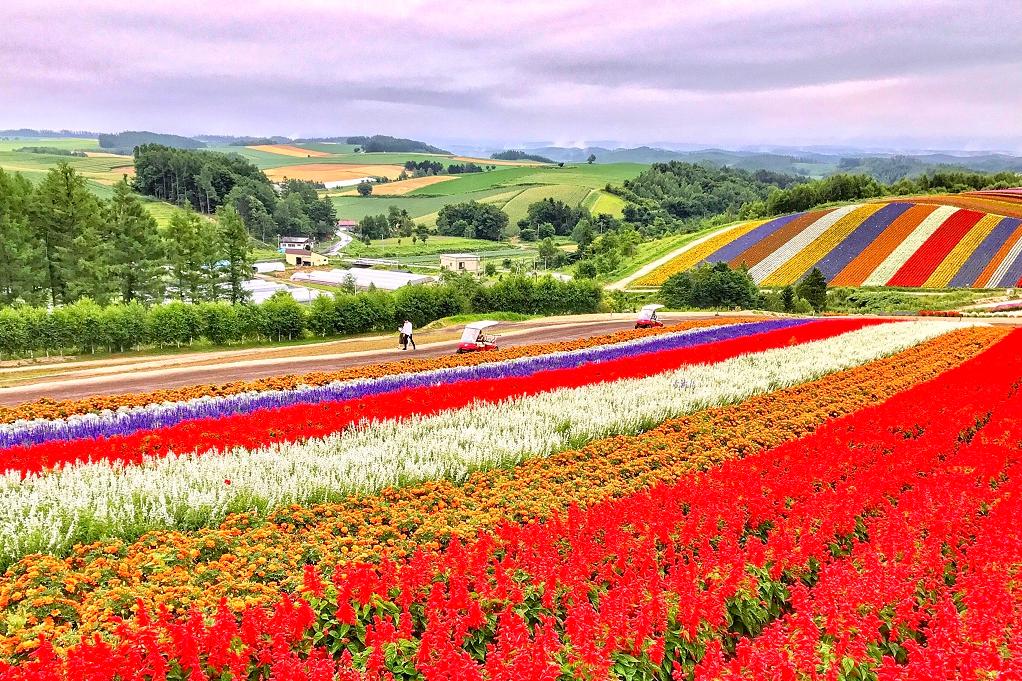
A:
(161, 416)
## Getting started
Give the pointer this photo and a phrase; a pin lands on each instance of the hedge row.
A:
(88, 327)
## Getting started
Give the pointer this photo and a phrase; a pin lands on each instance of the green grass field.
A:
(600, 202)
(69, 143)
(435, 245)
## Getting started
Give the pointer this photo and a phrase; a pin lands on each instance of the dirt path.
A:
(210, 368)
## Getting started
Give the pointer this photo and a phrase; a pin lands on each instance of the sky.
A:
(893, 74)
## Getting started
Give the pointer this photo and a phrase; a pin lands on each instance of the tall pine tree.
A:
(186, 255)
(138, 252)
(65, 219)
(21, 261)
(234, 242)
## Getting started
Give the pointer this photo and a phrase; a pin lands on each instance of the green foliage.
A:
(686, 192)
(813, 289)
(236, 250)
(487, 221)
(137, 252)
(585, 269)
(21, 255)
(710, 286)
(364, 188)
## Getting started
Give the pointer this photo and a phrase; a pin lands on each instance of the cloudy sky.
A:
(889, 73)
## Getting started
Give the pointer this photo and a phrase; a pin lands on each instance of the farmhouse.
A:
(385, 280)
(267, 267)
(295, 242)
(461, 262)
(299, 257)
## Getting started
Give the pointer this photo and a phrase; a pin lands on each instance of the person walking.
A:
(406, 335)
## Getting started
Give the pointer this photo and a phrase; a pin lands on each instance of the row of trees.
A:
(716, 285)
(87, 326)
(60, 243)
(846, 187)
(396, 222)
(428, 167)
(206, 180)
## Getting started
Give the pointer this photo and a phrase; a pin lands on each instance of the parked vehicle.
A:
(475, 339)
(647, 318)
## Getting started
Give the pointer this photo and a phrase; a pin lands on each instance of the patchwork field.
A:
(938, 243)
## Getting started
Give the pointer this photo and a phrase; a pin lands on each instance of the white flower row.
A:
(51, 512)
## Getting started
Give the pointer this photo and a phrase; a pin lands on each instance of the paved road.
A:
(145, 381)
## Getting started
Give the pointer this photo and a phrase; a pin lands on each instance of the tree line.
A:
(716, 285)
(851, 187)
(86, 326)
(206, 180)
(60, 243)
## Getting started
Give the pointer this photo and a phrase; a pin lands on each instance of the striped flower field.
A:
(820, 498)
(970, 240)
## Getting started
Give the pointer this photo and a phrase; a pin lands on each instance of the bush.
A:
(710, 286)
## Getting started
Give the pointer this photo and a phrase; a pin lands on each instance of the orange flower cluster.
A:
(50, 409)
(250, 560)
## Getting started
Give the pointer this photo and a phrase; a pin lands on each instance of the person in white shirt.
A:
(406, 335)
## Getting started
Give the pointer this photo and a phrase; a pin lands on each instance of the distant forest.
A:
(125, 142)
(378, 143)
(518, 155)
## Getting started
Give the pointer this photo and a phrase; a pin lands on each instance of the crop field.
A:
(570, 194)
(330, 172)
(401, 187)
(600, 202)
(816, 497)
(938, 243)
(288, 150)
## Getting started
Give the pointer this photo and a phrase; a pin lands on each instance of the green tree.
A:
(364, 188)
(592, 159)
(814, 289)
(487, 221)
(234, 240)
(187, 254)
(137, 253)
(585, 269)
(583, 234)
(63, 209)
(422, 232)
(21, 258)
(710, 286)
(788, 298)
(549, 253)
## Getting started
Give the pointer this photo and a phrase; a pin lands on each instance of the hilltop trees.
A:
(206, 180)
(480, 220)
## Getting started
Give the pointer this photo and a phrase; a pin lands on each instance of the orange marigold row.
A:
(251, 560)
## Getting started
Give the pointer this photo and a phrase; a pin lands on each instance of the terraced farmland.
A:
(923, 242)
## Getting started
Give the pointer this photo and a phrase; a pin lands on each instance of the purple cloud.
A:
(928, 73)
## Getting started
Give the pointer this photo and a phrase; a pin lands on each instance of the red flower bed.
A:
(303, 421)
(887, 540)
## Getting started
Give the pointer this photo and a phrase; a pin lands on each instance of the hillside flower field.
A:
(734, 498)
(969, 240)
